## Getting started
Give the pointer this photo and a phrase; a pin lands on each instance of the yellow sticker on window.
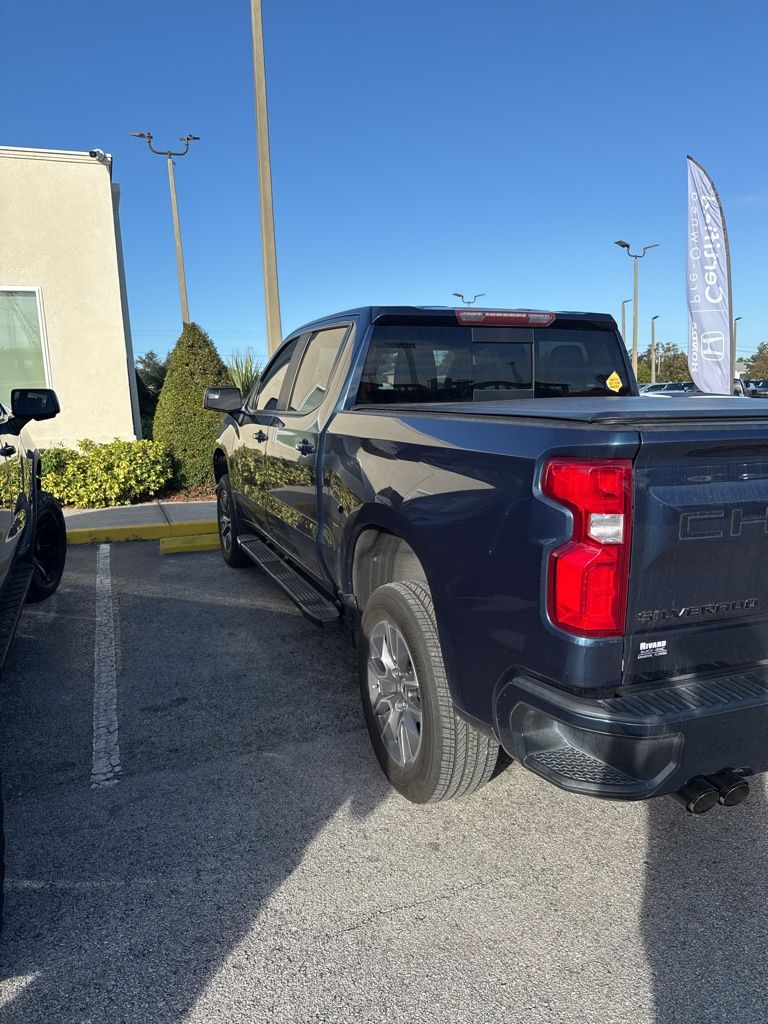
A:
(614, 382)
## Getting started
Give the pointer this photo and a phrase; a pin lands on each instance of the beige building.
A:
(63, 311)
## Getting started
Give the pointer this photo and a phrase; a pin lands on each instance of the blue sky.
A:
(418, 148)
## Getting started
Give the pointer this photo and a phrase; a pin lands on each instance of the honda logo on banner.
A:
(709, 286)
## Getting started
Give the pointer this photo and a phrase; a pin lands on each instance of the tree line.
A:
(672, 363)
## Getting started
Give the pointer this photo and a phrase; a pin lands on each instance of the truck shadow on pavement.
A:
(704, 921)
(241, 740)
(240, 736)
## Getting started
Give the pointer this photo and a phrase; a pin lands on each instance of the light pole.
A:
(635, 256)
(653, 348)
(266, 210)
(624, 320)
(469, 302)
(169, 155)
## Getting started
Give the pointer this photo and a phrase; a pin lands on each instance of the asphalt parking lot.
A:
(229, 852)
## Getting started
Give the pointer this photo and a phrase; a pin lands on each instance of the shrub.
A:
(150, 374)
(187, 429)
(147, 405)
(96, 475)
(244, 370)
(151, 370)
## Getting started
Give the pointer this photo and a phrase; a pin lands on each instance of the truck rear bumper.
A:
(636, 745)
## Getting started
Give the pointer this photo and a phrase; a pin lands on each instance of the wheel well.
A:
(219, 464)
(380, 558)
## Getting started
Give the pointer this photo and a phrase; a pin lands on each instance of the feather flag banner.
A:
(708, 282)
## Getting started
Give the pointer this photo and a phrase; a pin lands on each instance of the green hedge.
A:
(96, 475)
(181, 422)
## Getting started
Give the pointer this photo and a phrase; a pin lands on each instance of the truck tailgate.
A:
(698, 591)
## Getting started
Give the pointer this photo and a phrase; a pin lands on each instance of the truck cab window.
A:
(267, 393)
(311, 382)
(482, 364)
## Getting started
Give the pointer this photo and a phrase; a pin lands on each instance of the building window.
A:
(23, 351)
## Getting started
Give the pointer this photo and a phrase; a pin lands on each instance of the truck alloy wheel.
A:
(226, 514)
(425, 749)
(393, 689)
(49, 550)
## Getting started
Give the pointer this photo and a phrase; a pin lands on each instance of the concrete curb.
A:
(199, 542)
(147, 531)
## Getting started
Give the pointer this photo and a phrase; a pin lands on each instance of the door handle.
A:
(7, 449)
(261, 437)
(305, 447)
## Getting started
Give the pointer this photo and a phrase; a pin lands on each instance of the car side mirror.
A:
(34, 404)
(223, 399)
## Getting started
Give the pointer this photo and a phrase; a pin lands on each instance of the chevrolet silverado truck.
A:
(529, 555)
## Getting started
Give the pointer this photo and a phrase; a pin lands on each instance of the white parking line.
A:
(106, 748)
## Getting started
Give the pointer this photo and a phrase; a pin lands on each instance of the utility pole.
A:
(635, 256)
(169, 155)
(624, 320)
(653, 349)
(266, 210)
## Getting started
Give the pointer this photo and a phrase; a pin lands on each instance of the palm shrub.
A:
(244, 370)
(181, 423)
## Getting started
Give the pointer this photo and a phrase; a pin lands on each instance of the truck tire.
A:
(49, 549)
(425, 749)
(226, 514)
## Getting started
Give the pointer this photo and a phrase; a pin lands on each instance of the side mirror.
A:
(223, 399)
(34, 404)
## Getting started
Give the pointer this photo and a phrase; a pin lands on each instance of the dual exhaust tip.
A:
(701, 793)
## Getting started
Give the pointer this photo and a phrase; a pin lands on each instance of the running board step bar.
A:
(315, 605)
(12, 599)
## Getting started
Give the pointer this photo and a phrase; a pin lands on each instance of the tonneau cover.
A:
(630, 409)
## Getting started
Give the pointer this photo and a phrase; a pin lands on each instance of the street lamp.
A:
(624, 320)
(635, 256)
(169, 155)
(469, 302)
(653, 348)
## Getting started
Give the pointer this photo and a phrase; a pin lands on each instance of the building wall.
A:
(59, 231)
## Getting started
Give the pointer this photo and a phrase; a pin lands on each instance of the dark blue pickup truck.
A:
(530, 555)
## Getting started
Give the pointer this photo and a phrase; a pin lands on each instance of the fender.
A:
(383, 517)
(390, 520)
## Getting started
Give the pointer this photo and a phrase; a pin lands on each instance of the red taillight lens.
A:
(587, 587)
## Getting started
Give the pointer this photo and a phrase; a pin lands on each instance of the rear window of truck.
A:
(476, 364)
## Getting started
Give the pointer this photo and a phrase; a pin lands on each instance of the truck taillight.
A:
(588, 576)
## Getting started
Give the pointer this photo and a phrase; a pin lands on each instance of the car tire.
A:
(426, 750)
(229, 530)
(49, 549)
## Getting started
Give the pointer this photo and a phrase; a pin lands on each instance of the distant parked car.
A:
(34, 538)
(673, 389)
(680, 387)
